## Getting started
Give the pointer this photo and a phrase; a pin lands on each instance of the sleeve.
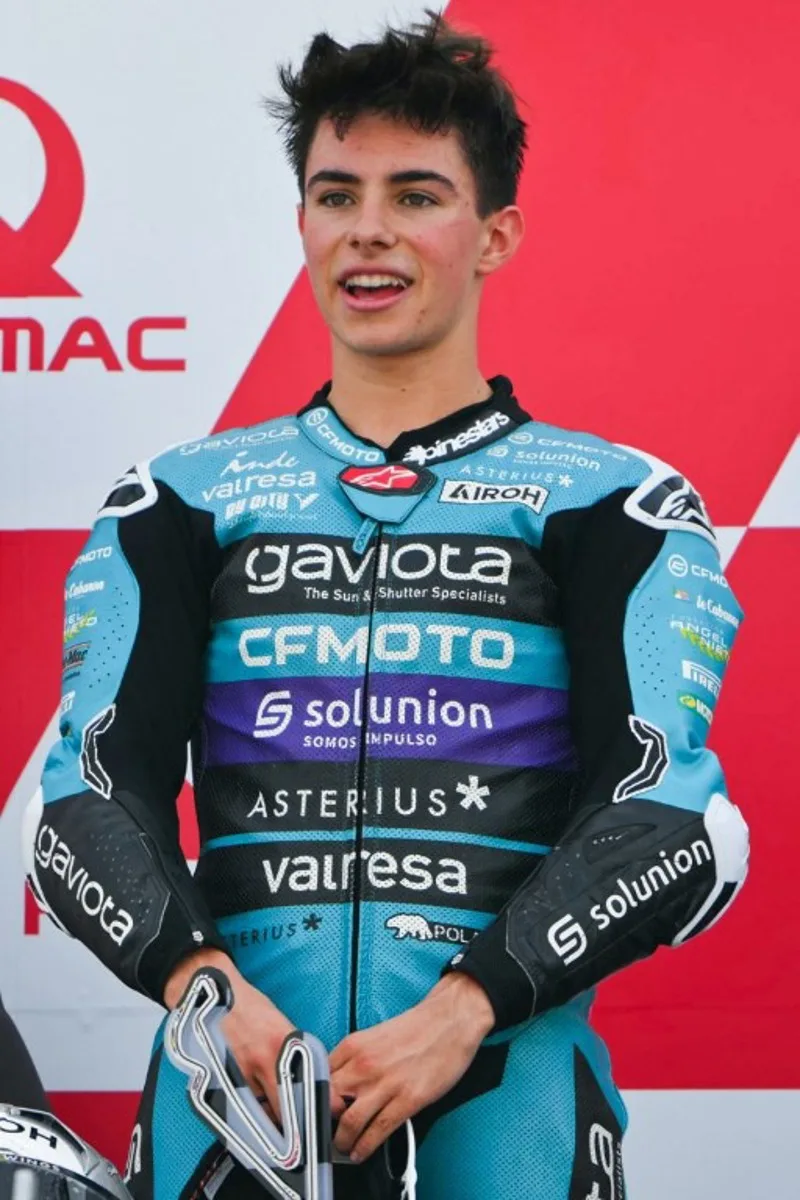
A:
(101, 835)
(656, 851)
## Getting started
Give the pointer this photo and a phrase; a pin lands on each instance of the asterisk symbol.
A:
(472, 793)
(312, 922)
(566, 480)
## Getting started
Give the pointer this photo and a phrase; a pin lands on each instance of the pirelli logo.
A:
(455, 491)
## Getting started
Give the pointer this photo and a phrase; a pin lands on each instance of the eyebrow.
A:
(413, 176)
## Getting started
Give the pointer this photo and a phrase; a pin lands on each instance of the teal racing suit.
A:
(447, 706)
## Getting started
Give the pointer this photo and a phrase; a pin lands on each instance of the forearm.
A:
(115, 883)
(463, 1004)
(625, 880)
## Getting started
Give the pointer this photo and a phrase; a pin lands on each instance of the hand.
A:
(254, 1029)
(397, 1068)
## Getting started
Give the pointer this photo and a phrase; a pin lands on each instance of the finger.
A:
(356, 1117)
(341, 1053)
(357, 1073)
(380, 1128)
(339, 1102)
(271, 1113)
(268, 1099)
(345, 1081)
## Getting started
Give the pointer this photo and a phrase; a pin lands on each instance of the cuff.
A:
(510, 991)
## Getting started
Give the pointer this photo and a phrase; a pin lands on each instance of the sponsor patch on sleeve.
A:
(666, 500)
(132, 493)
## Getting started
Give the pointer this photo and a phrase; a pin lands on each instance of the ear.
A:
(503, 234)
(301, 218)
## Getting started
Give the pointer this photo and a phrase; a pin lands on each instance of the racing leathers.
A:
(447, 706)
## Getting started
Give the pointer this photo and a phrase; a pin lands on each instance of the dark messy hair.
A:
(428, 76)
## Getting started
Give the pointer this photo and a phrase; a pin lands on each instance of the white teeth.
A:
(375, 281)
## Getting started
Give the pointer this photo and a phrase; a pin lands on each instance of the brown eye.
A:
(417, 200)
(335, 199)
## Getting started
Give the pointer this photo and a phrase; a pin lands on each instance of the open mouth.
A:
(374, 287)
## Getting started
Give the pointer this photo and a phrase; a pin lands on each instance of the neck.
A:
(380, 397)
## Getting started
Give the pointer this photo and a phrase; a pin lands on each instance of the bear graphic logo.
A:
(410, 925)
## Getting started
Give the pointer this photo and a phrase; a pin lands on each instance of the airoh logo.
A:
(270, 566)
(458, 491)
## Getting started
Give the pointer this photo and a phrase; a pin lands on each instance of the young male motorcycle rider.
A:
(447, 672)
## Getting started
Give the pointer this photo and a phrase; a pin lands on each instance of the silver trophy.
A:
(293, 1162)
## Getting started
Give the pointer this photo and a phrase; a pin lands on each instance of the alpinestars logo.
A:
(132, 492)
(666, 500)
(482, 430)
(391, 478)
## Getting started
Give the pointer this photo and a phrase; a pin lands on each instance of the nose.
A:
(370, 227)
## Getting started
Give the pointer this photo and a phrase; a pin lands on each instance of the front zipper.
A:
(360, 783)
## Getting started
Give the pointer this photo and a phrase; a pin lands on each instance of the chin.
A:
(386, 345)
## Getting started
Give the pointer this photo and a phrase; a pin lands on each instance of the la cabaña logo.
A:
(28, 258)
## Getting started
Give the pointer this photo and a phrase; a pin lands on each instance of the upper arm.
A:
(649, 622)
(136, 625)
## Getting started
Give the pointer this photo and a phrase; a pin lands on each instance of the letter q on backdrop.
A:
(151, 291)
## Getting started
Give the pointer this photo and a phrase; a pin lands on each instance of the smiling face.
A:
(395, 249)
